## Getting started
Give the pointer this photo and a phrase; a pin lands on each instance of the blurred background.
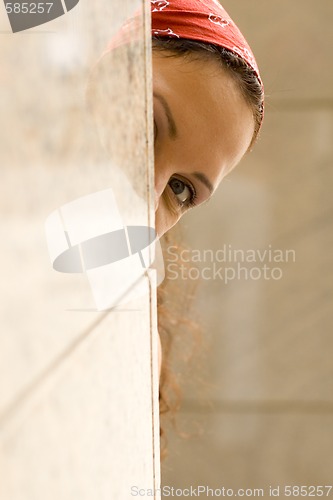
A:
(262, 413)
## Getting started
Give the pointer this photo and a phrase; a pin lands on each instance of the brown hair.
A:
(180, 334)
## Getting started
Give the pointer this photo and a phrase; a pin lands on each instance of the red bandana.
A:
(202, 20)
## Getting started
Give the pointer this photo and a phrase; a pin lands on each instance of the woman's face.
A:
(203, 127)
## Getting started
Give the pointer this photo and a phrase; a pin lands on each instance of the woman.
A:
(208, 109)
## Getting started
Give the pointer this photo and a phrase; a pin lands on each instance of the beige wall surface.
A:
(78, 386)
(265, 407)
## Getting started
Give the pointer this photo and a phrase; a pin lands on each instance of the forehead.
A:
(214, 121)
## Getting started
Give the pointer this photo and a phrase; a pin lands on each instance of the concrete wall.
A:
(79, 387)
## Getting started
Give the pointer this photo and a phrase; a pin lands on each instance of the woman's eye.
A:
(184, 193)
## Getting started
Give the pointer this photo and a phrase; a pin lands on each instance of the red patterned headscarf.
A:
(202, 20)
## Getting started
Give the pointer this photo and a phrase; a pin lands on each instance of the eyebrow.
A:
(173, 132)
(202, 177)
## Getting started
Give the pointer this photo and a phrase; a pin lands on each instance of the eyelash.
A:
(191, 202)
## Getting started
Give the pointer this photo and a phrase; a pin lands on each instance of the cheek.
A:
(165, 219)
